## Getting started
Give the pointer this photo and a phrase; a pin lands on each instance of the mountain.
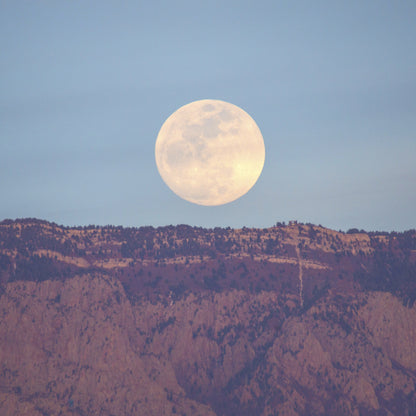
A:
(290, 320)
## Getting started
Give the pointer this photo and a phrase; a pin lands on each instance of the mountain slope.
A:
(291, 320)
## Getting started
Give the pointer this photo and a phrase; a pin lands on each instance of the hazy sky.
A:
(86, 85)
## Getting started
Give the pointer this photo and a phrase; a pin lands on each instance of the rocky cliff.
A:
(290, 320)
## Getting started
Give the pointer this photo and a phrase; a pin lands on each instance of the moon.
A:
(210, 152)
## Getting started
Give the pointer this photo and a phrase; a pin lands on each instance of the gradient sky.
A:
(86, 85)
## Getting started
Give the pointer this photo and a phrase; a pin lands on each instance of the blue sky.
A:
(86, 86)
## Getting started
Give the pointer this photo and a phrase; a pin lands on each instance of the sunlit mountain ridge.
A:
(293, 319)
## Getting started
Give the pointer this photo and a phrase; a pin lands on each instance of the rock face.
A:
(291, 320)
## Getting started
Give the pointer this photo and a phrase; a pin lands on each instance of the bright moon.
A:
(210, 152)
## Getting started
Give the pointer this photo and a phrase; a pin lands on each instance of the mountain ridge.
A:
(294, 320)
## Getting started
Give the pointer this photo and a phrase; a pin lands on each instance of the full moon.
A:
(210, 152)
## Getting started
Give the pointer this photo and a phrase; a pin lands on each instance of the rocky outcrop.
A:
(185, 321)
(73, 348)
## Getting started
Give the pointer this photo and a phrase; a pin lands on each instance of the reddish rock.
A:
(187, 321)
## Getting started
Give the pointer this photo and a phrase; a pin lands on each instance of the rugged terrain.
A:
(291, 320)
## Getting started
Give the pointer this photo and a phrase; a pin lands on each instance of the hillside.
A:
(291, 320)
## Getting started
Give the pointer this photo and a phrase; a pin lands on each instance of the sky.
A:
(86, 86)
